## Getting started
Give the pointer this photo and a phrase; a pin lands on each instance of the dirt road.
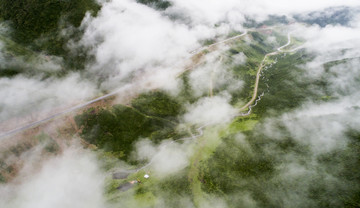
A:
(258, 74)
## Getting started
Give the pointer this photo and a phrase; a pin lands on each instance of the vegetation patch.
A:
(285, 85)
(158, 104)
(38, 25)
(117, 128)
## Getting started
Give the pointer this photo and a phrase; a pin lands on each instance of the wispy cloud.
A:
(72, 179)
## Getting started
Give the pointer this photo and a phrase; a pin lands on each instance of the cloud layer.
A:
(70, 180)
(136, 45)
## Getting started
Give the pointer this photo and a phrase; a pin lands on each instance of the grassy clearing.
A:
(206, 145)
(243, 124)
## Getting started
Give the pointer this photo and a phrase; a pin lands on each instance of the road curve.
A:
(258, 74)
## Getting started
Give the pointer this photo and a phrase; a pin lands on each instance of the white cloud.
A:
(70, 180)
(128, 38)
(330, 38)
(330, 43)
(210, 12)
(210, 110)
(131, 37)
(233, 11)
(22, 96)
(320, 126)
(166, 158)
(214, 75)
(171, 158)
(239, 59)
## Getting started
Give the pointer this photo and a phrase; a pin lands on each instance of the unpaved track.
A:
(258, 74)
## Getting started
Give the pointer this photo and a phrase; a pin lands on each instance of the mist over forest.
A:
(179, 103)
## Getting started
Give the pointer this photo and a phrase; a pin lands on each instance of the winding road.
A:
(258, 74)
